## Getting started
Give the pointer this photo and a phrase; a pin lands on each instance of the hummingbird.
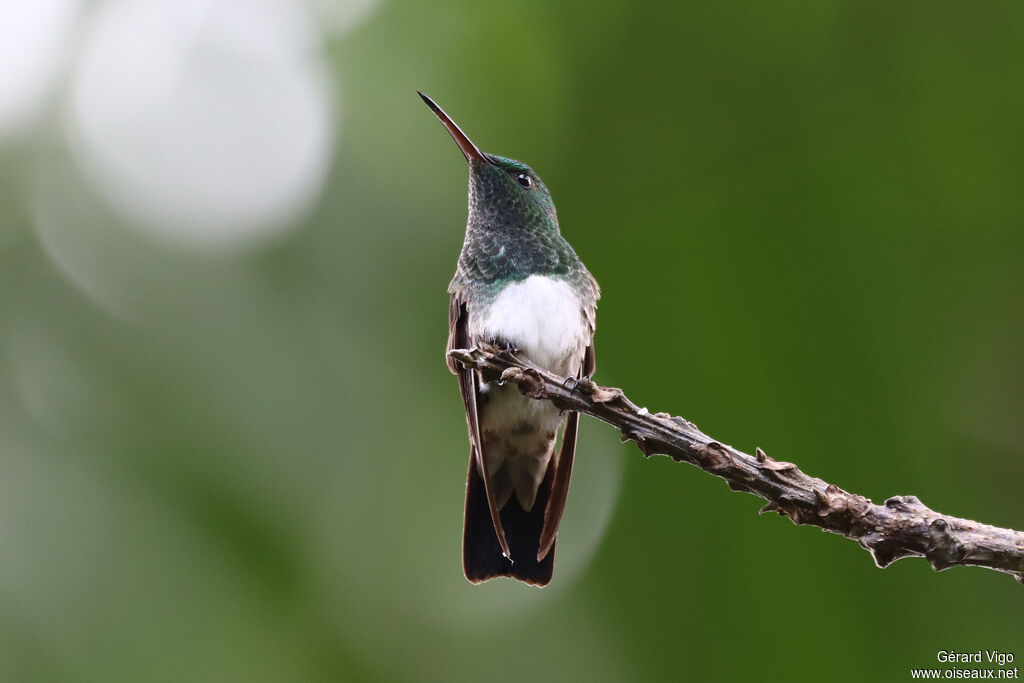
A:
(518, 285)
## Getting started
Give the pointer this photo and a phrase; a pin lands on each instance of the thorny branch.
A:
(902, 527)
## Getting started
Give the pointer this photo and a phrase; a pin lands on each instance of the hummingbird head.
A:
(504, 194)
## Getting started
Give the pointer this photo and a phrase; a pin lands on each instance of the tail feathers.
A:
(481, 555)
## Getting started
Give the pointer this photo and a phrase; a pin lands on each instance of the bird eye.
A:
(525, 180)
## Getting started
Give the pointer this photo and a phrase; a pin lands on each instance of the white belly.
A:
(543, 318)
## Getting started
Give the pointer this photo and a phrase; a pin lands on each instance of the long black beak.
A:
(470, 150)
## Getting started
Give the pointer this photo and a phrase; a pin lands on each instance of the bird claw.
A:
(497, 347)
(576, 382)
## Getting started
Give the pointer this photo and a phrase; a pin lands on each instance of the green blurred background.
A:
(229, 446)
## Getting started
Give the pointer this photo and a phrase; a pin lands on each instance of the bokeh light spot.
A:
(33, 40)
(204, 123)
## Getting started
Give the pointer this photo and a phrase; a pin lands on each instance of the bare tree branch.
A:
(902, 527)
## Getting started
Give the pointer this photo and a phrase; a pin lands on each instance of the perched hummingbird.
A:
(519, 285)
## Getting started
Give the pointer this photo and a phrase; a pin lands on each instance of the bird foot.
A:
(585, 381)
(497, 347)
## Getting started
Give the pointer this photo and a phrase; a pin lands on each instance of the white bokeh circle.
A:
(34, 37)
(204, 122)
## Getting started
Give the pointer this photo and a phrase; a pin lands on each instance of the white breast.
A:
(541, 316)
